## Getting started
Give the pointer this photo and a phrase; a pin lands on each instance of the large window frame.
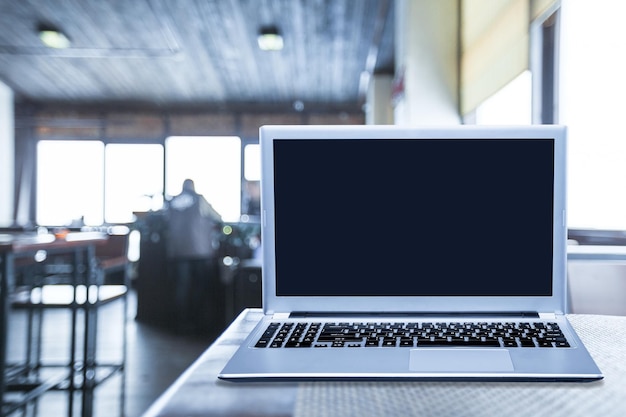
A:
(567, 90)
(544, 65)
(152, 201)
(591, 87)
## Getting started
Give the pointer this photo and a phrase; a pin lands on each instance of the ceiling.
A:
(170, 53)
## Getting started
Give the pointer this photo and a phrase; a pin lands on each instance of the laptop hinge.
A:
(302, 314)
(280, 316)
(547, 316)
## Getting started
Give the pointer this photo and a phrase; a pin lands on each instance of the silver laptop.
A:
(413, 253)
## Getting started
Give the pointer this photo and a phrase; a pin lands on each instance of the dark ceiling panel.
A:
(196, 52)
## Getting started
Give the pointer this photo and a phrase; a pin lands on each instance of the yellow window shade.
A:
(495, 44)
(539, 7)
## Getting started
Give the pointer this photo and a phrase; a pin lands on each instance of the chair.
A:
(79, 281)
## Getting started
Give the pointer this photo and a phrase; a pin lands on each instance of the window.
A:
(118, 179)
(252, 162)
(213, 163)
(70, 181)
(133, 180)
(511, 105)
(591, 89)
(252, 177)
(544, 63)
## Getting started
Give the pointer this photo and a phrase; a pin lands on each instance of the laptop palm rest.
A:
(460, 360)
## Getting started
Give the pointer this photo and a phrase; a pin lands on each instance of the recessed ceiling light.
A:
(269, 39)
(52, 37)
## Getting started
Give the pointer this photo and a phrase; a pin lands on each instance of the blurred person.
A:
(192, 244)
(252, 198)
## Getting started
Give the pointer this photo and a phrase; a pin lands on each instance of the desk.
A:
(596, 279)
(198, 392)
(83, 292)
(596, 253)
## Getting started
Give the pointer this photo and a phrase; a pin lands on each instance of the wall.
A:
(378, 108)
(6, 155)
(597, 287)
(53, 122)
(427, 60)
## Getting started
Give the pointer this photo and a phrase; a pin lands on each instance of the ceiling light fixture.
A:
(52, 37)
(269, 39)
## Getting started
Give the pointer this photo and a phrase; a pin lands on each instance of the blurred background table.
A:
(44, 271)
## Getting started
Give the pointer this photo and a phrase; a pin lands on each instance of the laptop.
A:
(401, 253)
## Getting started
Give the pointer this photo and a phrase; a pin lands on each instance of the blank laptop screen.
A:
(404, 217)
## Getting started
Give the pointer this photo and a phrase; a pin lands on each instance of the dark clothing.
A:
(192, 227)
(198, 296)
(192, 244)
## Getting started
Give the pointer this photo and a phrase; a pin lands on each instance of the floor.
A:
(155, 358)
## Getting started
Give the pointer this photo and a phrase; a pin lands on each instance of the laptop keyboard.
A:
(412, 334)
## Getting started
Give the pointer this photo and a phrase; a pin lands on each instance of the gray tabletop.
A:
(198, 392)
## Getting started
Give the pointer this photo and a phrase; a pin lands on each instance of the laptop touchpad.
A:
(460, 360)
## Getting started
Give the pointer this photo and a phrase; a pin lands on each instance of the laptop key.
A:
(406, 342)
(371, 342)
(389, 342)
(339, 339)
(508, 342)
(262, 343)
(480, 342)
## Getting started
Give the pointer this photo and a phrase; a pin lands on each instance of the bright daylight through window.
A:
(213, 163)
(117, 180)
(63, 196)
(511, 105)
(133, 180)
(592, 90)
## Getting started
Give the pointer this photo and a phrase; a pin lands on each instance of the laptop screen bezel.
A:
(272, 303)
